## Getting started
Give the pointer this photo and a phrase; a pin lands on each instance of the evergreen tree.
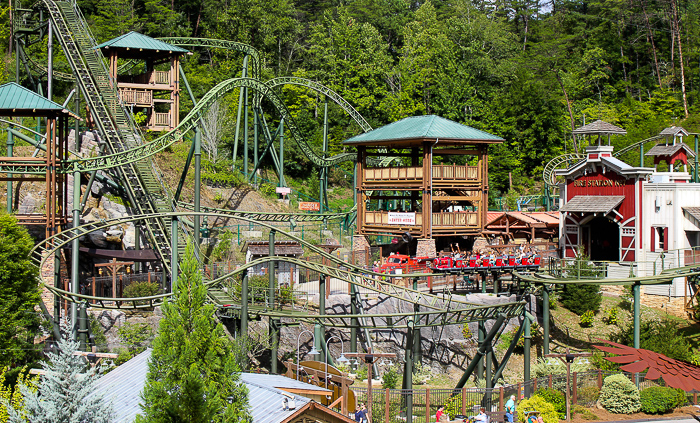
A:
(581, 298)
(192, 375)
(65, 393)
(19, 294)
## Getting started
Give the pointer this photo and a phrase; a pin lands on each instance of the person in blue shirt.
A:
(510, 409)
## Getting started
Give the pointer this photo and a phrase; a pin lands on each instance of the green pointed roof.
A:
(139, 43)
(423, 128)
(15, 100)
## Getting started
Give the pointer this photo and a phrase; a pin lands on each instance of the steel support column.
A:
(75, 253)
(526, 352)
(239, 111)
(275, 325)
(355, 322)
(481, 336)
(173, 255)
(245, 133)
(408, 372)
(197, 182)
(271, 286)
(49, 71)
(696, 177)
(282, 182)
(482, 350)
(545, 319)
(83, 326)
(10, 146)
(319, 330)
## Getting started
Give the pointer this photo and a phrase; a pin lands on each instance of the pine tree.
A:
(19, 295)
(65, 392)
(582, 298)
(192, 374)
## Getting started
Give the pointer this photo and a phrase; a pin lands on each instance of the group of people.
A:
(491, 255)
(482, 417)
(361, 414)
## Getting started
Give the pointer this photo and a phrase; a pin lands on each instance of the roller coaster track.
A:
(664, 277)
(271, 216)
(556, 163)
(437, 310)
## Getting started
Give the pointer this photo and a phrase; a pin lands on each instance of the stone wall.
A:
(426, 248)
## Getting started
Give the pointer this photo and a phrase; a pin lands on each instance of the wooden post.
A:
(344, 392)
(600, 379)
(500, 399)
(534, 387)
(386, 405)
(574, 394)
(427, 405)
(549, 383)
(93, 289)
(464, 401)
(695, 397)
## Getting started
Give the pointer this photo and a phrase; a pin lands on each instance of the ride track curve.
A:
(437, 310)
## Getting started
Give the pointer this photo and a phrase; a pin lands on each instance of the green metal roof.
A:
(134, 40)
(15, 97)
(423, 127)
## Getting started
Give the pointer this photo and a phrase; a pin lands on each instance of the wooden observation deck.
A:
(401, 189)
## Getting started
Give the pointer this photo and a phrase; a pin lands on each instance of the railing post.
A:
(500, 399)
(600, 379)
(464, 401)
(427, 405)
(386, 405)
(549, 382)
(574, 396)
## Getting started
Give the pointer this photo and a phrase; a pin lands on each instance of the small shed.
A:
(287, 273)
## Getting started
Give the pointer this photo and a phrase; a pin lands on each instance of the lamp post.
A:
(369, 358)
(313, 351)
(568, 358)
(341, 359)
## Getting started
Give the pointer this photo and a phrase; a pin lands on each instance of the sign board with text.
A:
(402, 218)
(283, 190)
(309, 206)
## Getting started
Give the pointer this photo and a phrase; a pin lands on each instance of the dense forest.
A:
(526, 70)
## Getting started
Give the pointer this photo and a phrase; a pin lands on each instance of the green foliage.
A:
(139, 289)
(453, 406)
(583, 412)
(537, 403)
(586, 320)
(588, 394)
(599, 362)
(556, 398)
(361, 373)
(552, 366)
(581, 298)
(421, 373)
(19, 291)
(140, 118)
(611, 317)
(619, 395)
(267, 190)
(466, 332)
(390, 379)
(98, 334)
(192, 371)
(660, 399)
(11, 394)
(64, 393)
(659, 335)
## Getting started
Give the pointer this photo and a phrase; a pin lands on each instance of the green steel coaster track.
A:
(437, 310)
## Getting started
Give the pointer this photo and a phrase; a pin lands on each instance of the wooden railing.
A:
(456, 219)
(136, 97)
(161, 119)
(455, 172)
(154, 77)
(440, 173)
(393, 173)
(449, 219)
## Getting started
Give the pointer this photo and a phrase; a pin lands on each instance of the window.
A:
(659, 239)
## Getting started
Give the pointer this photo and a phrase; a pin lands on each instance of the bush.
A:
(661, 336)
(138, 289)
(581, 298)
(619, 395)
(556, 398)
(537, 403)
(583, 412)
(612, 317)
(588, 394)
(390, 379)
(361, 373)
(586, 320)
(658, 399)
(545, 367)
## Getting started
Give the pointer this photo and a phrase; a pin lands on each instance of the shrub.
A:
(545, 367)
(556, 398)
(619, 395)
(138, 289)
(390, 379)
(583, 412)
(581, 298)
(588, 394)
(612, 317)
(586, 319)
(662, 336)
(361, 373)
(537, 403)
(658, 399)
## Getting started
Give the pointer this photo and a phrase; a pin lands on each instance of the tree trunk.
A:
(676, 24)
(566, 98)
(651, 38)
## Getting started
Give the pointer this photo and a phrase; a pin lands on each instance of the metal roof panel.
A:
(14, 96)
(139, 41)
(423, 127)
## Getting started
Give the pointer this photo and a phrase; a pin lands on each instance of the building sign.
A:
(283, 190)
(402, 218)
(598, 183)
(309, 206)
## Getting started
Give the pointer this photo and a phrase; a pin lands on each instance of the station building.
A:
(639, 219)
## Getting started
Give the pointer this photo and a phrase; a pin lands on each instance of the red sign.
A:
(309, 206)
